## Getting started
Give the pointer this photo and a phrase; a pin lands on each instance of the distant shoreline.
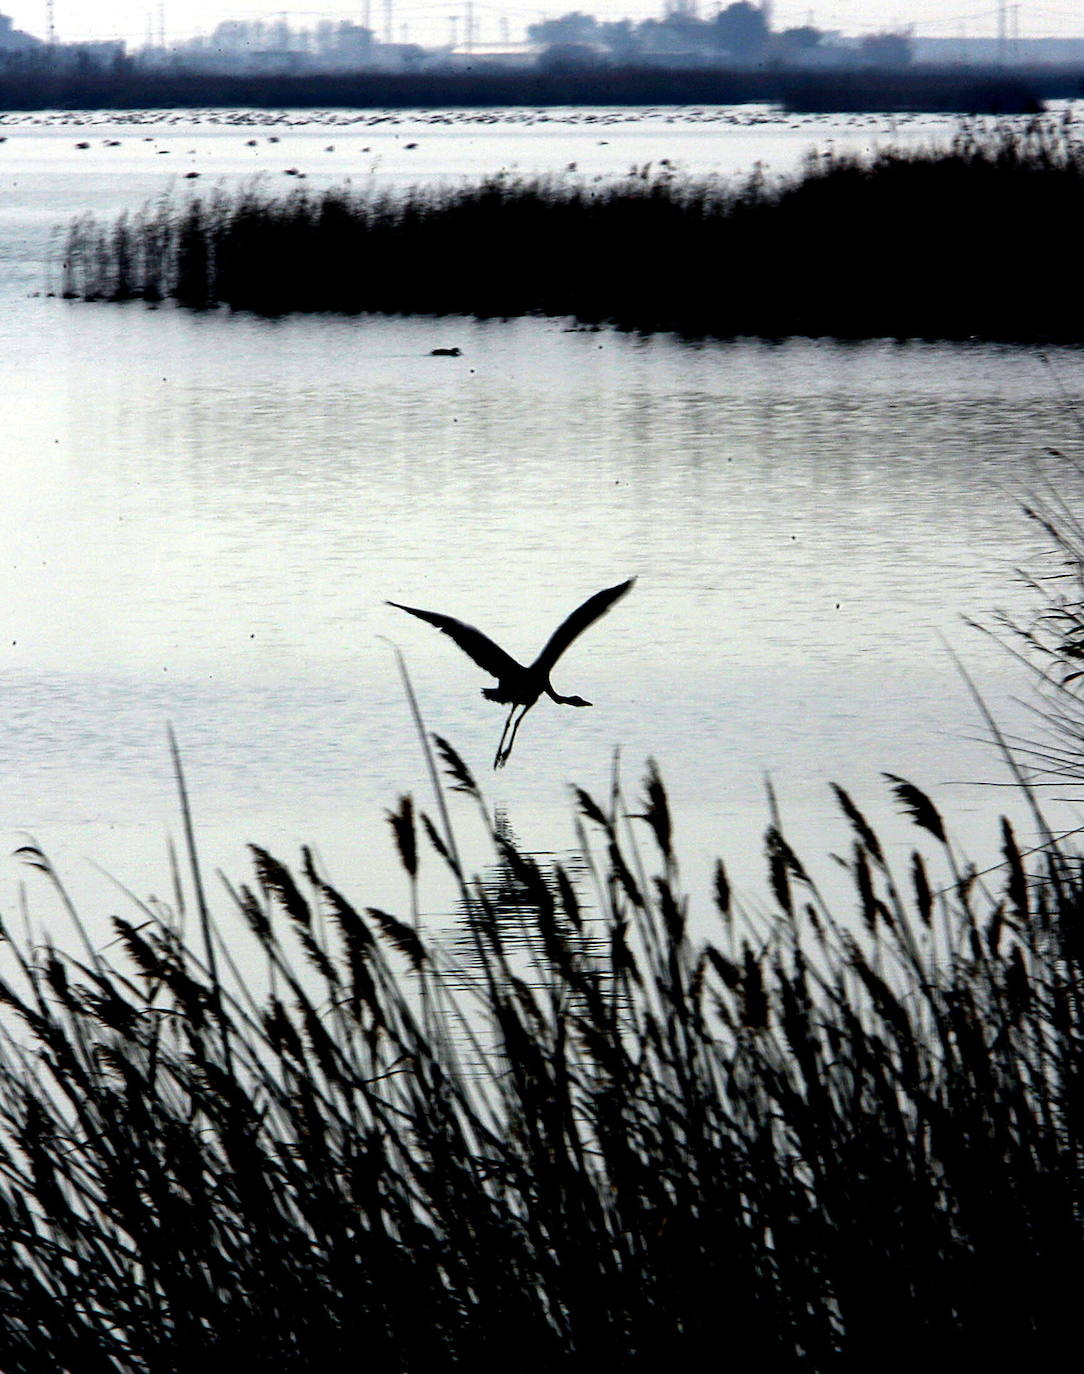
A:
(974, 91)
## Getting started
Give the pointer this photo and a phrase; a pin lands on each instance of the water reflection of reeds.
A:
(935, 243)
(501, 893)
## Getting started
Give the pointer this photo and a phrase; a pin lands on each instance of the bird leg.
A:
(503, 758)
(502, 753)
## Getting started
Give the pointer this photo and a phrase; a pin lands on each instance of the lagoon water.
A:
(204, 516)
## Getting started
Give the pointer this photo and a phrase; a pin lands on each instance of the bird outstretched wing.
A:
(578, 621)
(477, 646)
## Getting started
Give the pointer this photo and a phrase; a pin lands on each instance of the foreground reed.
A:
(935, 243)
(819, 1140)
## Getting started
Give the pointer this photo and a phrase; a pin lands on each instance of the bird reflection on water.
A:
(500, 914)
(519, 685)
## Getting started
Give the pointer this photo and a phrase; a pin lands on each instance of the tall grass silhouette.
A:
(935, 242)
(807, 1137)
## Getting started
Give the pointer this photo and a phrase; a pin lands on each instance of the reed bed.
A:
(814, 1140)
(934, 243)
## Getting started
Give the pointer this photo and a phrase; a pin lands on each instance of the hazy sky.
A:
(429, 20)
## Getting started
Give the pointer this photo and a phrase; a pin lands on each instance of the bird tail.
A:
(496, 694)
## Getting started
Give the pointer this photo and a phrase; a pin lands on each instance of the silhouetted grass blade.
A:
(918, 806)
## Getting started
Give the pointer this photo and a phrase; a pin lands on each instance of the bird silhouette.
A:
(518, 685)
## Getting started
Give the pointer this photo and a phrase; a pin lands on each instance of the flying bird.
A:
(517, 685)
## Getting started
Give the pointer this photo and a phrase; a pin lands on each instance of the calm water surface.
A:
(204, 516)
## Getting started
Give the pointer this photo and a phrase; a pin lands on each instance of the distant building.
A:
(810, 49)
(87, 57)
(13, 40)
(343, 46)
(396, 57)
(992, 52)
(260, 47)
(23, 52)
(238, 46)
(485, 56)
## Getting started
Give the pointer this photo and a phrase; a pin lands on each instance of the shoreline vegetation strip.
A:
(990, 90)
(954, 242)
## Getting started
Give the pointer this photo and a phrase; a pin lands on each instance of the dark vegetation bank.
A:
(989, 92)
(967, 241)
